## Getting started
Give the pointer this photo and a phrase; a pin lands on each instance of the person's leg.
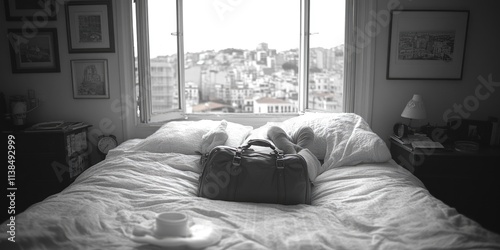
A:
(279, 137)
(303, 138)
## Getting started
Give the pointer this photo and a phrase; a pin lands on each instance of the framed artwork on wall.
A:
(31, 10)
(90, 26)
(427, 44)
(90, 79)
(36, 52)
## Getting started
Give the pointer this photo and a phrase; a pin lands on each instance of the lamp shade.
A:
(415, 109)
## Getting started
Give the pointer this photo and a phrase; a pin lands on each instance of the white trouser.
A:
(312, 162)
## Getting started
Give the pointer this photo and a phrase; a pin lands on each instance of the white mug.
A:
(172, 224)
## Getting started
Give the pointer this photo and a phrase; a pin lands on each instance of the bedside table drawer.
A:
(447, 167)
(465, 166)
(46, 167)
(39, 142)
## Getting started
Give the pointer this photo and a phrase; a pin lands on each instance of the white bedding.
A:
(368, 206)
(361, 200)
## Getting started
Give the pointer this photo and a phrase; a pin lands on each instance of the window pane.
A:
(326, 56)
(164, 89)
(241, 56)
(136, 68)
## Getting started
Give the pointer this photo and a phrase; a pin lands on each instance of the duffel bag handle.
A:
(259, 142)
(262, 143)
(253, 142)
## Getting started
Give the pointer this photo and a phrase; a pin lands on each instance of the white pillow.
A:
(213, 138)
(340, 138)
(236, 133)
(185, 137)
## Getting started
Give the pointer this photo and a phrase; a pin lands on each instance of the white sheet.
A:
(370, 206)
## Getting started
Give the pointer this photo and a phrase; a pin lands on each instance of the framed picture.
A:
(90, 26)
(32, 10)
(36, 52)
(90, 78)
(472, 130)
(427, 44)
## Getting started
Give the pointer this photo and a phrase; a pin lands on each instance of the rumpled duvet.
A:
(365, 206)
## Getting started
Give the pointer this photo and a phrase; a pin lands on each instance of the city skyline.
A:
(261, 80)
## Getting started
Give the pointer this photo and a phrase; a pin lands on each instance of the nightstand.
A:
(465, 181)
(46, 161)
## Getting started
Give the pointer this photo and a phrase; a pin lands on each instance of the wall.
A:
(482, 58)
(55, 89)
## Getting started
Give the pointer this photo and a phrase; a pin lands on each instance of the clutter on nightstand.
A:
(417, 141)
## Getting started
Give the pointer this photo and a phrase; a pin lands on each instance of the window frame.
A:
(358, 81)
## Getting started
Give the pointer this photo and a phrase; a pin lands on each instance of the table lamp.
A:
(415, 109)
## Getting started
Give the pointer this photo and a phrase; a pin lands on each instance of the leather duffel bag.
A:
(245, 174)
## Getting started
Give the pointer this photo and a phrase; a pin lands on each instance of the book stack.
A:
(403, 140)
(417, 141)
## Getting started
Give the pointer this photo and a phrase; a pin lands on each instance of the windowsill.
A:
(254, 120)
(143, 130)
(248, 119)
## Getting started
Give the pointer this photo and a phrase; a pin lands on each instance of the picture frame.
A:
(427, 44)
(36, 52)
(31, 10)
(472, 130)
(90, 26)
(90, 79)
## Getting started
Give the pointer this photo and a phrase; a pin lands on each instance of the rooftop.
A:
(271, 100)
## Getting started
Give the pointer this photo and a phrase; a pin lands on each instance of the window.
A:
(241, 57)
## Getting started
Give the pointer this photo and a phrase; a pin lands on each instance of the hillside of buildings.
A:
(248, 81)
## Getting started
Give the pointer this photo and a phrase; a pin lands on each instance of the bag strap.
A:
(253, 142)
(280, 167)
(262, 143)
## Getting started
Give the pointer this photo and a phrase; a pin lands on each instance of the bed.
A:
(361, 199)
